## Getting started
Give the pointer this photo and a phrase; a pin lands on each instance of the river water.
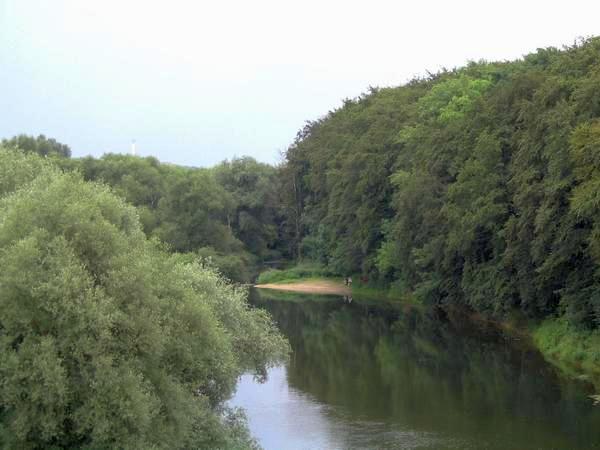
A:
(364, 375)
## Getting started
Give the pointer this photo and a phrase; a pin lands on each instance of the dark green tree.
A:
(41, 145)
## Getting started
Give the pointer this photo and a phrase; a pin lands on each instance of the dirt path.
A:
(310, 287)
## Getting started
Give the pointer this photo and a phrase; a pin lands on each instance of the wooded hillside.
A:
(476, 186)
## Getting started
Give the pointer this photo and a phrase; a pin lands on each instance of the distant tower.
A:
(133, 148)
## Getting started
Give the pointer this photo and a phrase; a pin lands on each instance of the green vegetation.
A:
(575, 351)
(228, 215)
(41, 145)
(474, 187)
(106, 340)
(301, 271)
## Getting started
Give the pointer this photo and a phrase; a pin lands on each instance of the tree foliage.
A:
(475, 186)
(41, 145)
(106, 341)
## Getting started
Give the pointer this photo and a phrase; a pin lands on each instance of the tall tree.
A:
(41, 145)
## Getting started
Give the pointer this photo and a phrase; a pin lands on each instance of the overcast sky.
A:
(195, 82)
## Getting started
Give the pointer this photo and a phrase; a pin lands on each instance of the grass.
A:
(303, 271)
(576, 352)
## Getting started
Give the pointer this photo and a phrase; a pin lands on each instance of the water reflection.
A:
(370, 376)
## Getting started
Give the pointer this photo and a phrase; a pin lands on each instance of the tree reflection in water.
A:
(424, 372)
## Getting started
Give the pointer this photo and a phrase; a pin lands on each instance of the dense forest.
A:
(227, 214)
(477, 187)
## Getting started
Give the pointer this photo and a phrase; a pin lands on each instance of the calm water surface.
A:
(371, 376)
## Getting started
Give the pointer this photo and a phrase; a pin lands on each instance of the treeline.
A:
(230, 216)
(228, 213)
(477, 186)
(41, 145)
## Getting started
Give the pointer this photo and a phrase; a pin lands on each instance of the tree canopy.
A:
(106, 340)
(230, 214)
(41, 145)
(476, 186)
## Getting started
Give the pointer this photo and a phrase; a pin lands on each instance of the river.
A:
(366, 375)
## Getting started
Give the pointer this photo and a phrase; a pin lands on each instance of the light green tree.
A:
(106, 341)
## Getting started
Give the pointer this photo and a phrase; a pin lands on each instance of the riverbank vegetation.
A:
(475, 187)
(302, 271)
(107, 340)
(228, 215)
(575, 351)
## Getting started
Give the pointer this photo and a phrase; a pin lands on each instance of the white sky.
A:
(195, 82)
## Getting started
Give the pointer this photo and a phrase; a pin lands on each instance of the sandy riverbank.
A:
(310, 287)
